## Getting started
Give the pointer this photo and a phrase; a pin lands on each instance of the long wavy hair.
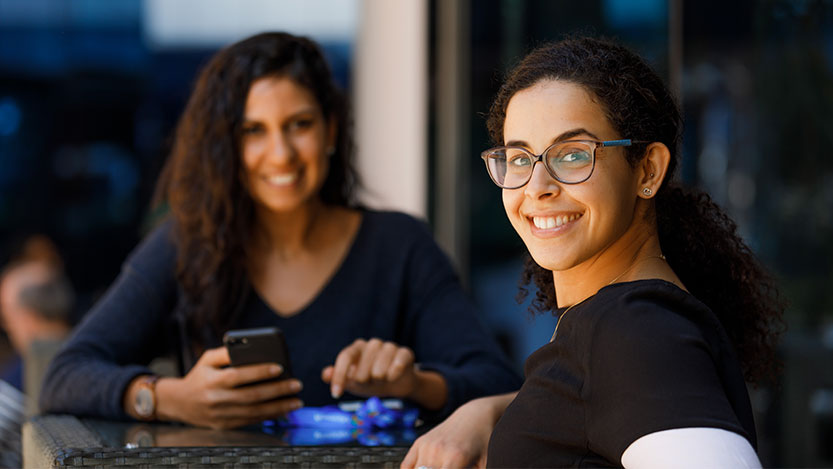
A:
(700, 241)
(203, 180)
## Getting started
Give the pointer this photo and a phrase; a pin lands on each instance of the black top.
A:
(634, 359)
(395, 284)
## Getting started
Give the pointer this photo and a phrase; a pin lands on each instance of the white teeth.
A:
(546, 223)
(282, 179)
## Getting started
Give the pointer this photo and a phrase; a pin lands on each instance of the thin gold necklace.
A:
(661, 256)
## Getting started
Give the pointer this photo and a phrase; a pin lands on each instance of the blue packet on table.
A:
(372, 413)
(364, 436)
(373, 422)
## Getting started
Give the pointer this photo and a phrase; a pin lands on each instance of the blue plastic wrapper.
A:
(306, 436)
(372, 423)
(372, 413)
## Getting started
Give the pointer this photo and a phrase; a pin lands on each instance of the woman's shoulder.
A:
(651, 309)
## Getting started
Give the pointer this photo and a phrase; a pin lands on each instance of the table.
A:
(67, 441)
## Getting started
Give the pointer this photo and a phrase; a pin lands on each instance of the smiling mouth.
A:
(548, 223)
(282, 179)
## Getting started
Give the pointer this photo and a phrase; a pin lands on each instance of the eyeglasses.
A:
(569, 162)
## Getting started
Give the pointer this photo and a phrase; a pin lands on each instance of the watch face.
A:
(144, 403)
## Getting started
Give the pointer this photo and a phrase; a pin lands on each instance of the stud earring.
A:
(647, 191)
(651, 175)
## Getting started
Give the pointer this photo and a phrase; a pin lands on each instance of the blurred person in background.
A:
(264, 230)
(36, 305)
(36, 302)
(664, 312)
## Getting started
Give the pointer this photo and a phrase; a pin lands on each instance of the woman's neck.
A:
(634, 256)
(292, 232)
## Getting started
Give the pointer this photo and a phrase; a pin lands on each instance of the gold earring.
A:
(647, 191)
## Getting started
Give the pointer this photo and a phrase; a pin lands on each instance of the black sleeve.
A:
(651, 369)
(445, 331)
(118, 337)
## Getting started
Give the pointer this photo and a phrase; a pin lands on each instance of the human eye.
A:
(572, 157)
(251, 128)
(518, 159)
(301, 123)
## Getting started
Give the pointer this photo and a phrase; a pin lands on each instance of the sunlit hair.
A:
(699, 240)
(203, 181)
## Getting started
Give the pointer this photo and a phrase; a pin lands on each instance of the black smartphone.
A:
(260, 345)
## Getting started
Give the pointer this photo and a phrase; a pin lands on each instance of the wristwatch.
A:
(144, 403)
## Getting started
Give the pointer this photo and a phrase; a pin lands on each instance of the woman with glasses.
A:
(264, 230)
(663, 310)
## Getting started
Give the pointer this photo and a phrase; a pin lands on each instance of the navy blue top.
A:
(12, 372)
(634, 359)
(394, 284)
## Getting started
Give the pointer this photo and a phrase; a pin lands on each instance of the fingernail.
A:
(297, 405)
(295, 386)
(276, 369)
(336, 391)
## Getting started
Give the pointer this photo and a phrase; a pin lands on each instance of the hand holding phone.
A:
(260, 345)
(213, 394)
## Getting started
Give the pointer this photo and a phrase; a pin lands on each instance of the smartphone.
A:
(260, 345)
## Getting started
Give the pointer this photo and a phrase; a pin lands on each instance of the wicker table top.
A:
(66, 441)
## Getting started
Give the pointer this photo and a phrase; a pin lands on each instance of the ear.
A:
(652, 169)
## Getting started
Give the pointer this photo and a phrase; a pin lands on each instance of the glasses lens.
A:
(509, 167)
(571, 161)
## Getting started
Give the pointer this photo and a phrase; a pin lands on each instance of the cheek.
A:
(511, 203)
(249, 155)
(310, 146)
(611, 206)
(316, 160)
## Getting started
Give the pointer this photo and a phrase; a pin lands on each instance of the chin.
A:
(281, 206)
(552, 259)
(547, 262)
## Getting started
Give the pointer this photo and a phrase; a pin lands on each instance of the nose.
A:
(541, 185)
(280, 148)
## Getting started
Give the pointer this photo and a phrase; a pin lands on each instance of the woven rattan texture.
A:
(249, 457)
(64, 441)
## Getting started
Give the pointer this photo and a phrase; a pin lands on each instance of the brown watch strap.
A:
(145, 401)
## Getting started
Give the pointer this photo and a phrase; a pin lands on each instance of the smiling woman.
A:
(283, 134)
(264, 231)
(662, 308)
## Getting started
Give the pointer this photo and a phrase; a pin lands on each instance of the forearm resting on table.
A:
(431, 390)
(496, 405)
(165, 398)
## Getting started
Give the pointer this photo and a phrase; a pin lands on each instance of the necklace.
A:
(661, 256)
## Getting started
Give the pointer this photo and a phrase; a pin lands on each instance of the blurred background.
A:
(90, 91)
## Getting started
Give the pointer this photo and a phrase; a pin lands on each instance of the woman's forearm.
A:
(431, 390)
(164, 393)
(496, 405)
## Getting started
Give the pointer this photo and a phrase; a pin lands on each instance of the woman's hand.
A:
(211, 395)
(377, 368)
(462, 439)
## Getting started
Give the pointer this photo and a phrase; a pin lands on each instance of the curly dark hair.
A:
(700, 241)
(203, 180)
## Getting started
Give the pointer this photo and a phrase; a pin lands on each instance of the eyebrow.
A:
(564, 136)
(301, 113)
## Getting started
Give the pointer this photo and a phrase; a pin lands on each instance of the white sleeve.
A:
(691, 448)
